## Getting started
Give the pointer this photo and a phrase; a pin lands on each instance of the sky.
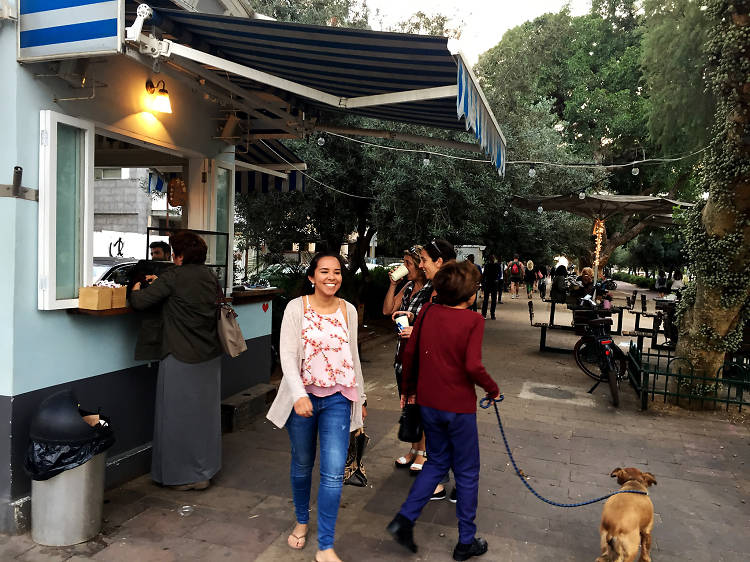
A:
(485, 21)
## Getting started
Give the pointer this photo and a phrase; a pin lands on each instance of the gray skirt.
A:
(187, 422)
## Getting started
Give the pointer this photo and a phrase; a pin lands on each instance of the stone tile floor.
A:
(700, 461)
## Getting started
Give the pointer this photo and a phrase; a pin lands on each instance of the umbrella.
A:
(599, 207)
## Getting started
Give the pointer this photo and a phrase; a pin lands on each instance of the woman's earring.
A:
(312, 284)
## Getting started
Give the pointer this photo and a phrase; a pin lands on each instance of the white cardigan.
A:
(291, 354)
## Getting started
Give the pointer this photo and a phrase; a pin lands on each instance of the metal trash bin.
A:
(67, 508)
(66, 460)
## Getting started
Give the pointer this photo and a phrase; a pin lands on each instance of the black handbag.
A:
(354, 471)
(410, 423)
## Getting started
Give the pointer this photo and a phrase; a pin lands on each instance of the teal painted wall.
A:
(253, 320)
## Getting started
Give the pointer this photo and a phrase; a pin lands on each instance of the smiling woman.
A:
(321, 395)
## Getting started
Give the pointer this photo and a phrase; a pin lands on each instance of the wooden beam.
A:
(392, 135)
(135, 158)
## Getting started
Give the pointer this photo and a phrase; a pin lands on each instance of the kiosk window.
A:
(65, 209)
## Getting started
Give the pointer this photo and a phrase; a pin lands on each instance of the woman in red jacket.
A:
(450, 364)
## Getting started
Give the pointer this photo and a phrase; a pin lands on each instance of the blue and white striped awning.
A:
(56, 29)
(391, 76)
(274, 157)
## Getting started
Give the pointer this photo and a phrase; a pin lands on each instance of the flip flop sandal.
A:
(415, 467)
(295, 542)
(403, 462)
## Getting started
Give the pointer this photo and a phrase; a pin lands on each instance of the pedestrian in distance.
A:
(661, 284)
(490, 285)
(450, 365)
(529, 278)
(321, 395)
(470, 258)
(408, 302)
(542, 275)
(500, 280)
(515, 271)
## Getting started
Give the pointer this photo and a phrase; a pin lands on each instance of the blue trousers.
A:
(454, 443)
(330, 420)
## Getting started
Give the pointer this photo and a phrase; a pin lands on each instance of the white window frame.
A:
(47, 287)
(215, 165)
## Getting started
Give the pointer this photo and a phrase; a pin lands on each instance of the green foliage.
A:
(724, 176)
(344, 13)
(681, 110)
(637, 280)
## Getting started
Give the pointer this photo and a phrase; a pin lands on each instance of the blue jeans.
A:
(331, 418)
(453, 442)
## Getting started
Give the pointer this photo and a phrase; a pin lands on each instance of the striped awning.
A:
(274, 168)
(391, 76)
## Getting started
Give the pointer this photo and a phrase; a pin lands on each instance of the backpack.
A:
(515, 268)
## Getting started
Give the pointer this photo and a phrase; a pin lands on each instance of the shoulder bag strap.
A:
(415, 364)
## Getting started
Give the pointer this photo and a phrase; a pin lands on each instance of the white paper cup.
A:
(399, 272)
(402, 321)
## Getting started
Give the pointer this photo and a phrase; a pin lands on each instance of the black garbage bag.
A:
(60, 438)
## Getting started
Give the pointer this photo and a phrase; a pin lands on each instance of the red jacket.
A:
(450, 361)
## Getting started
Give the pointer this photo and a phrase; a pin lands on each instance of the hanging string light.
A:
(599, 233)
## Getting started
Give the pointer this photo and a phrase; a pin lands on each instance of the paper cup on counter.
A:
(399, 272)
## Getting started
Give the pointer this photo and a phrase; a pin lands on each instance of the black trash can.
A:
(66, 461)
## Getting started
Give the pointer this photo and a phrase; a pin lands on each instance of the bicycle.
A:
(596, 353)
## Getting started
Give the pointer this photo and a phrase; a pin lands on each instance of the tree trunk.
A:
(719, 243)
(609, 245)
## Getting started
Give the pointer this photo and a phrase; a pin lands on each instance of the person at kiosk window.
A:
(321, 396)
(186, 451)
(160, 251)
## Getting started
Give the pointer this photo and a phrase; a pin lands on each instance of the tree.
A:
(589, 69)
(716, 305)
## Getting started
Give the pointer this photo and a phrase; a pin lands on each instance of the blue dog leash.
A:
(485, 403)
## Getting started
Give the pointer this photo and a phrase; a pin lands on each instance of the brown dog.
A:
(627, 519)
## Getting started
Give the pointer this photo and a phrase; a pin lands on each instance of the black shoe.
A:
(493, 318)
(465, 551)
(402, 531)
(453, 499)
(439, 495)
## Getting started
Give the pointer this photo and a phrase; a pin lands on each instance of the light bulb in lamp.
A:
(161, 102)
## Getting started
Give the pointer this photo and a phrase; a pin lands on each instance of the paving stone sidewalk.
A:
(565, 440)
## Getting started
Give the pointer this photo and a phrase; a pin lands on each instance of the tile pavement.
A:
(700, 461)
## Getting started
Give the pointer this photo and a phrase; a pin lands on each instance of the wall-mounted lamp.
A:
(426, 159)
(532, 171)
(321, 140)
(161, 101)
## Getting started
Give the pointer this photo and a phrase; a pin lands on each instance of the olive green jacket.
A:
(187, 296)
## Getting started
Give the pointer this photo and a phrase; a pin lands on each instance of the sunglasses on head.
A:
(436, 247)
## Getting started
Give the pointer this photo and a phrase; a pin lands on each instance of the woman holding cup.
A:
(403, 307)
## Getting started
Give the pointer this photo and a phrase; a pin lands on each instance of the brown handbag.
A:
(228, 329)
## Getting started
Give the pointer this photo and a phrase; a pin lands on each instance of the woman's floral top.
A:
(327, 366)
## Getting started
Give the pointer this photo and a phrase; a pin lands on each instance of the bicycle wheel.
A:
(613, 387)
(586, 353)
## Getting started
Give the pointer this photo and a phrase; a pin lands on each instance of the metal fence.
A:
(660, 373)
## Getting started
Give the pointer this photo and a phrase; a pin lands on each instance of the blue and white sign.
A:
(57, 29)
